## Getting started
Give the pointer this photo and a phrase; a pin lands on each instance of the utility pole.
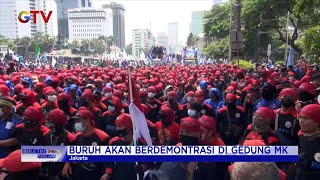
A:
(230, 49)
(287, 39)
(238, 25)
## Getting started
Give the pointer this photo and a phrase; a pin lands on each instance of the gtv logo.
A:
(24, 16)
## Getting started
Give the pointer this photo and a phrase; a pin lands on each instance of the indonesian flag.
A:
(139, 121)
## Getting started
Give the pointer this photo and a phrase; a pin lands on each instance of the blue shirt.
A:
(273, 104)
(213, 104)
(6, 132)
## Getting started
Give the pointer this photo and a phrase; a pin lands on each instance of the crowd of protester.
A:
(212, 105)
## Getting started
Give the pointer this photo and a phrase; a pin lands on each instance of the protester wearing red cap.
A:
(175, 106)
(57, 136)
(87, 135)
(31, 131)
(11, 167)
(151, 100)
(307, 93)
(87, 101)
(27, 99)
(199, 96)
(106, 124)
(231, 121)
(64, 103)
(97, 100)
(107, 91)
(50, 102)
(309, 142)
(8, 123)
(209, 135)
(190, 132)
(260, 128)
(286, 125)
(168, 130)
(125, 138)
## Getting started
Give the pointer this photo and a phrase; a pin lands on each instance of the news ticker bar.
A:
(159, 153)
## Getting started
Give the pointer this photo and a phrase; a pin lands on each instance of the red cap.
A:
(199, 93)
(34, 114)
(234, 84)
(190, 124)
(87, 95)
(57, 116)
(85, 114)
(124, 120)
(168, 112)
(230, 88)
(208, 122)
(288, 92)
(173, 94)
(231, 97)
(190, 93)
(63, 96)
(49, 90)
(107, 89)
(311, 111)
(266, 113)
(308, 87)
(13, 163)
(142, 93)
(152, 89)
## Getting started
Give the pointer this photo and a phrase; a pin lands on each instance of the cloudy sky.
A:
(141, 13)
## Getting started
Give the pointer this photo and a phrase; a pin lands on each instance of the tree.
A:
(191, 40)
(310, 43)
(218, 49)
(109, 41)
(128, 49)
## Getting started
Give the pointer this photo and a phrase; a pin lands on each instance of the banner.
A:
(159, 154)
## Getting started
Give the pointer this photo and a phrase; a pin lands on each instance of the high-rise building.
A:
(173, 36)
(118, 23)
(162, 39)
(89, 23)
(196, 22)
(62, 13)
(142, 39)
(10, 26)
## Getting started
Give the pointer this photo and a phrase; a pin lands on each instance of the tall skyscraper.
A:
(142, 39)
(62, 13)
(173, 33)
(11, 28)
(89, 23)
(118, 23)
(196, 22)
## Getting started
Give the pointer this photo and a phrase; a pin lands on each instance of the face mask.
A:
(78, 127)
(1, 113)
(192, 112)
(37, 91)
(267, 95)
(30, 124)
(190, 99)
(151, 95)
(231, 106)
(63, 105)
(123, 132)
(52, 98)
(108, 95)
(84, 103)
(57, 130)
(111, 108)
(188, 140)
(287, 102)
(291, 77)
(49, 125)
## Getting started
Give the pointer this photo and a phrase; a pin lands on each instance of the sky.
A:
(142, 13)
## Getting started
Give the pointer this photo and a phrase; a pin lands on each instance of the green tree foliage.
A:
(218, 49)
(311, 43)
(243, 64)
(265, 23)
(191, 40)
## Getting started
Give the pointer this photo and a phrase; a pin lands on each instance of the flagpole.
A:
(131, 101)
(287, 34)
